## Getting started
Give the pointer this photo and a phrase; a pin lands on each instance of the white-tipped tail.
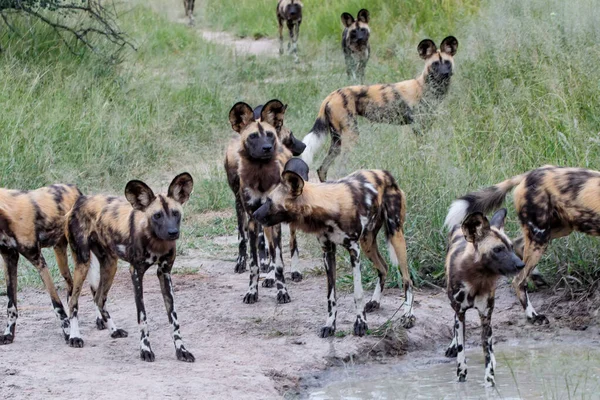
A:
(313, 143)
(392, 253)
(456, 213)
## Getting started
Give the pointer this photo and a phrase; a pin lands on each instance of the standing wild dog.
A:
(30, 221)
(261, 161)
(396, 103)
(141, 229)
(349, 212)
(232, 158)
(189, 10)
(551, 202)
(290, 12)
(479, 252)
(355, 43)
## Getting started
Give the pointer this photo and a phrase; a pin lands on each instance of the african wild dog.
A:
(396, 103)
(141, 229)
(349, 212)
(551, 202)
(30, 221)
(290, 12)
(355, 43)
(261, 161)
(479, 252)
(189, 10)
(232, 158)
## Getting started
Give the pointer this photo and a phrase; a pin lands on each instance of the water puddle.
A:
(525, 372)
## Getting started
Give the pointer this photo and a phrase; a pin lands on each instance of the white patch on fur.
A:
(392, 254)
(295, 261)
(74, 332)
(481, 304)
(94, 273)
(12, 319)
(331, 317)
(313, 143)
(377, 292)
(461, 357)
(456, 213)
(338, 235)
(358, 289)
(529, 310)
(408, 302)
(535, 229)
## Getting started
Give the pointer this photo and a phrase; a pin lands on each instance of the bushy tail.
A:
(484, 200)
(317, 136)
(394, 209)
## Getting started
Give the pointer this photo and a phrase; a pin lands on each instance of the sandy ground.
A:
(264, 350)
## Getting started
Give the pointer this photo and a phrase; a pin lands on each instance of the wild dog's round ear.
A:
(240, 116)
(273, 113)
(363, 16)
(294, 181)
(139, 194)
(498, 219)
(475, 226)
(449, 45)
(347, 19)
(298, 166)
(181, 188)
(426, 48)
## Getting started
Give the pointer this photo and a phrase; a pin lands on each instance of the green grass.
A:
(525, 93)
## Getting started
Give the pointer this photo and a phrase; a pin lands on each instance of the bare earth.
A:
(242, 351)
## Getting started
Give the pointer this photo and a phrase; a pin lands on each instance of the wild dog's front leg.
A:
(137, 277)
(461, 370)
(294, 32)
(242, 220)
(280, 21)
(252, 294)
(486, 342)
(329, 262)
(273, 235)
(360, 325)
(296, 274)
(398, 242)
(166, 286)
(82, 266)
(10, 261)
(532, 254)
(452, 349)
(263, 251)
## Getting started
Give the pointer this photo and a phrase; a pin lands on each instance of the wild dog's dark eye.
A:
(435, 63)
(353, 33)
(157, 215)
(446, 62)
(175, 213)
(253, 135)
(498, 249)
(269, 134)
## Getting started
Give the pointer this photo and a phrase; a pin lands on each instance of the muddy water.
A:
(523, 372)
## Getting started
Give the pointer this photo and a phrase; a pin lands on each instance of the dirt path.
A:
(242, 351)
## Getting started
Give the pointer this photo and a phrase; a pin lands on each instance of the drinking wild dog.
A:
(397, 103)
(551, 202)
(355, 44)
(142, 229)
(30, 221)
(232, 159)
(290, 12)
(479, 252)
(348, 212)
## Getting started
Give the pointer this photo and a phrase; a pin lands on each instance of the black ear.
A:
(181, 188)
(240, 116)
(294, 181)
(363, 16)
(298, 166)
(426, 48)
(498, 219)
(273, 113)
(475, 226)
(139, 194)
(449, 45)
(347, 19)
(257, 111)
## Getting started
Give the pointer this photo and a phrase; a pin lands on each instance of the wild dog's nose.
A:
(173, 233)
(267, 148)
(519, 264)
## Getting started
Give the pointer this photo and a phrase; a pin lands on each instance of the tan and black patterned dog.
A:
(30, 221)
(355, 44)
(479, 252)
(551, 202)
(189, 10)
(349, 212)
(142, 229)
(261, 160)
(396, 103)
(290, 12)
(232, 158)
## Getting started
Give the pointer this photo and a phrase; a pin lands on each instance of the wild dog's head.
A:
(439, 64)
(285, 135)
(163, 212)
(292, 11)
(357, 31)
(259, 137)
(285, 203)
(493, 248)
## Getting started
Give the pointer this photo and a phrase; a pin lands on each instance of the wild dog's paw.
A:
(538, 319)
(265, 265)
(100, 324)
(451, 351)
(184, 355)
(240, 265)
(490, 381)
(251, 298)
(283, 297)
(360, 327)
(462, 378)
(76, 342)
(147, 355)
(6, 339)
(119, 333)
(372, 306)
(327, 331)
(408, 321)
(268, 283)
(296, 276)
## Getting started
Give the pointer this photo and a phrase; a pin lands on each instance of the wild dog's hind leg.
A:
(106, 274)
(360, 325)
(137, 277)
(368, 244)
(452, 349)
(166, 286)
(335, 148)
(242, 221)
(60, 251)
(329, 261)
(273, 235)
(10, 262)
(280, 22)
(399, 258)
(296, 274)
(461, 370)
(81, 255)
(485, 314)
(252, 294)
(263, 250)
